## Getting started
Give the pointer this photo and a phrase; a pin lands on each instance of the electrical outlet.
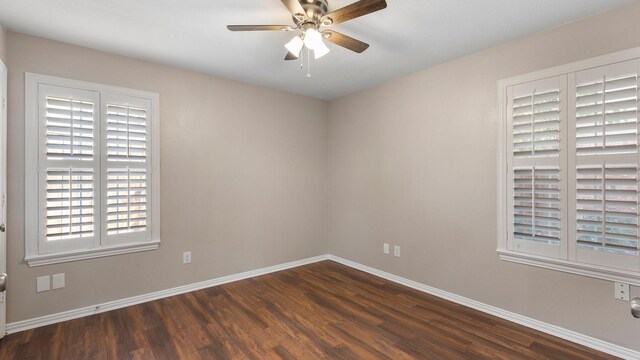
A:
(58, 281)
(186, 257)
(43, 283)
(396, 251)
(385, 248)
(622, 291)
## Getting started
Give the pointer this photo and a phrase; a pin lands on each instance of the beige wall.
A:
(413, 162)
(243, 179)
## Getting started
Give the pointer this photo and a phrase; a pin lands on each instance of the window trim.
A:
(504, 253)
(31, 181)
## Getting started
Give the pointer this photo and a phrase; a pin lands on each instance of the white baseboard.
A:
(554, 330)
(117, 304)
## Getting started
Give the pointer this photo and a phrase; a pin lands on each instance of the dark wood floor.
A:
(323, 310)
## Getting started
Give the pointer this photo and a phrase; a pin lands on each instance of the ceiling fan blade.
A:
(290, 56)
(259, 27)
(295, 8)
(355, 10)
(345, 41)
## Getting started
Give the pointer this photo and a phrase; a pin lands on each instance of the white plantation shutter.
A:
(537, 204)
(537, 172)
(607, 208)
(68, 181)
(126, 133)
(606, 110)
(126, 200)
(536, 122)
(605, 227)
(70, 125)
(127, 168)
(70, 203)
(91, 170)
(570, 168)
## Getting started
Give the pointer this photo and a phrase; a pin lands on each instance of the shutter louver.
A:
(536, 124)
(69, 203)
(607, 208)
(606, 113)
(536, 204)
(69, 129)
(126, 200)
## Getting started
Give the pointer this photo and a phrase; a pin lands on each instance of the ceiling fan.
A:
(309, 16)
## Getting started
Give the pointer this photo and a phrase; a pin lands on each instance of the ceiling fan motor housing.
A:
(315, 10)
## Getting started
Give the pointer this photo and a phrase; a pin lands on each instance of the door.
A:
(3, 198)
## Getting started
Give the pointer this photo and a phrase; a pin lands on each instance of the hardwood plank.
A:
(318, 311)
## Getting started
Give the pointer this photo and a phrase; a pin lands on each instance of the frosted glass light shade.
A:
(313, 39)
(295, 46)
(321, 51)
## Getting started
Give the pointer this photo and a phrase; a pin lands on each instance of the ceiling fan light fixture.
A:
(295, 46)
(309, 16)
(321, 51)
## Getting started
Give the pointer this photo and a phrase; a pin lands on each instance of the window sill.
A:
(40, 260)
(598, 272)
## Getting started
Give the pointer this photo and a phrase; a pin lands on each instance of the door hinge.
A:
(4, 103)
(4, 199)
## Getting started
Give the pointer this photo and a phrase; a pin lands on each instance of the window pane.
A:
(69, 129)
(126, 200)
(69, 204)
(126, 133)
(536, 204)
(607, 208)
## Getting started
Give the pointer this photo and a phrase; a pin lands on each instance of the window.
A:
(91, 170)
(569, 162)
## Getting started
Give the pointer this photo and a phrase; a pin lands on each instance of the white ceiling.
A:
(407, 36)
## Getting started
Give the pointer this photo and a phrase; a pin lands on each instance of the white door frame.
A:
(3, 192)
